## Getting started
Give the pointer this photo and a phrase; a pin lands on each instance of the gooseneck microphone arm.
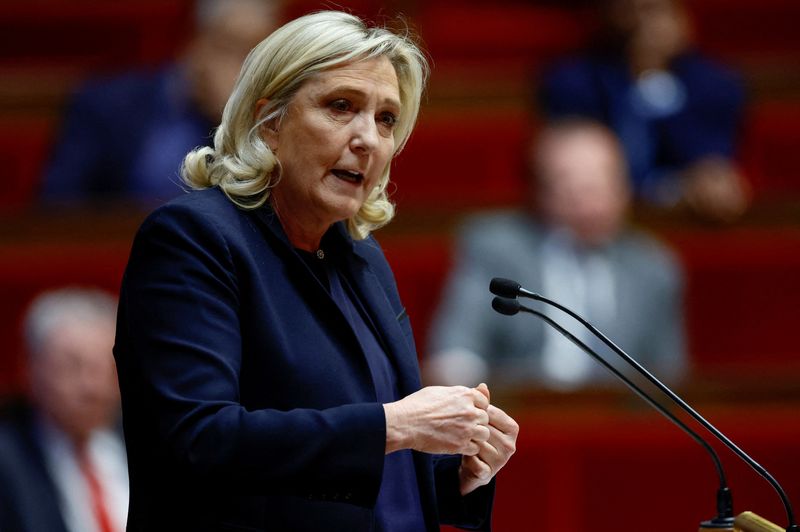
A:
(512, 289)
(509, 307)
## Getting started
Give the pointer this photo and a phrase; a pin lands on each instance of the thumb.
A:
(483, 389)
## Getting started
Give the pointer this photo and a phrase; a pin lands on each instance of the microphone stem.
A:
(638, 391)
(680, 402)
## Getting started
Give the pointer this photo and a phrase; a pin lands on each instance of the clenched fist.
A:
(439, 419)
(477, 470)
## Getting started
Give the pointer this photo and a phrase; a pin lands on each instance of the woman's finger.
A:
(481, 433)
(476, 467)
(502, 421)
(471, 449)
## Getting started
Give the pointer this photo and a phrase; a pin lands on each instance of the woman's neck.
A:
(305, 236)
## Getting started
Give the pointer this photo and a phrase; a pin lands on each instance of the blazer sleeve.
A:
(470, 512)
(179, 356)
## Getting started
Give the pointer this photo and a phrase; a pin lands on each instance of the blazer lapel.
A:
(387, 321)
(370, 290)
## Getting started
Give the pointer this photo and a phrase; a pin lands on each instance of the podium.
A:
(750, 522)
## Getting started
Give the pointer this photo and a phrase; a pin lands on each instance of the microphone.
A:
(512, 289)
(724, 518)
(505, 288)
(509, 289)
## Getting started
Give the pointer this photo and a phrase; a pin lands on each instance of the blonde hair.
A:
(242, 164)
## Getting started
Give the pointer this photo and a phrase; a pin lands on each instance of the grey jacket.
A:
(648, 290)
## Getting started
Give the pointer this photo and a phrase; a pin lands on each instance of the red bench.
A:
(770, 149)
(462, 160)
(24, 145)
(612, 470)
(93, 35)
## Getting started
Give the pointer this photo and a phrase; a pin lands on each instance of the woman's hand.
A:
(439, 419)
(477, 470)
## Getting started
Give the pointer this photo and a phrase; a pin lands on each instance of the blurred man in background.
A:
(577, 250)
(677, 113)
(62, 461)
(125, 138)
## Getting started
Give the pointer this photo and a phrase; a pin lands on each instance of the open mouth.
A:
(348, 175)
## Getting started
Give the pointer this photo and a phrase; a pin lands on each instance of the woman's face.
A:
(335, 142)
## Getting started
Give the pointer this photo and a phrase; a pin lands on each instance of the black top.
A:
(398, 507)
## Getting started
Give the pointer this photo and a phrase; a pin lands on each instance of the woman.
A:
(268, 373)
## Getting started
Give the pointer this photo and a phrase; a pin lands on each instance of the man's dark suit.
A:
(124, 138)
(28, 496)
(247, 402)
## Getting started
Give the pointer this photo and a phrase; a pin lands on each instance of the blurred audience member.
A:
(62, 461)
(675, 111)
(578, 251)
(124, 138)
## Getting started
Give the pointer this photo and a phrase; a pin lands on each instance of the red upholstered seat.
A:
(96, 34)
(747, 30)
(519, 32)
(742, 296)
(770, 149)
(24, 145)
(464, 160)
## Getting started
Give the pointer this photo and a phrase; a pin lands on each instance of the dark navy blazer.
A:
(247, 401)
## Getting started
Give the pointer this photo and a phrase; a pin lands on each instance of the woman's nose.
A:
(365, 136)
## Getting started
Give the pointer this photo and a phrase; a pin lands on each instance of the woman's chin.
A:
(344, 206)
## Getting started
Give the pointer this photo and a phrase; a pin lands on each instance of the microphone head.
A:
(506, 306)
(504, 287)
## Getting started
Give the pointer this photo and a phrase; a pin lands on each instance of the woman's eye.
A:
(340, 105)
(388, 119)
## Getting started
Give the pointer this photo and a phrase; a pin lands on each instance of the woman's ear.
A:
(268, 130)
